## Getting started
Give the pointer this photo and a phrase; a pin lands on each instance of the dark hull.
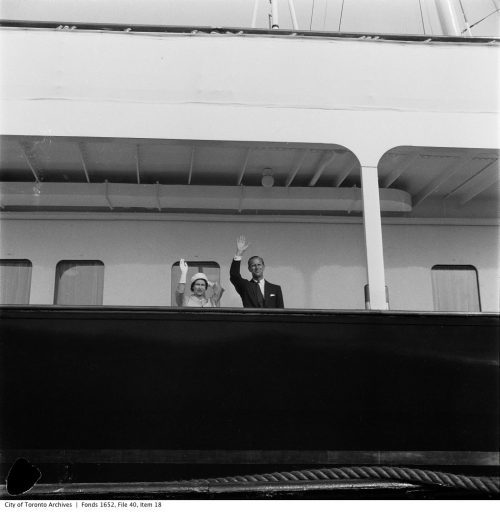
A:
(97, 388)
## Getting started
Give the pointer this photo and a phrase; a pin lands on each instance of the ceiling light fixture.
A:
(267, 178)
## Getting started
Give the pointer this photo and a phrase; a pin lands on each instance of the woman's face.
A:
(199, 288)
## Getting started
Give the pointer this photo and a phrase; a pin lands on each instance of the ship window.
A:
(79, 282)
(455, 288)
(15, 281)
(210, 268)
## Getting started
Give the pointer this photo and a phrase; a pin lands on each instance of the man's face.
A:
(256, 267)
(199, 288)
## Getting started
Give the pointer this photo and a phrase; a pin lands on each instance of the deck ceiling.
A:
(173, 163)
(441, 172)
(457, 175)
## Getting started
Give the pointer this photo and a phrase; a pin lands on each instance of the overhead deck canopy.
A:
(257, 176)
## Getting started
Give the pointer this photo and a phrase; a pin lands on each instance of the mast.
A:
(274, 14)
(447, 13)
(292, 15)
(254, 16)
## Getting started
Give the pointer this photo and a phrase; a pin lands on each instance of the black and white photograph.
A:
(249, 251)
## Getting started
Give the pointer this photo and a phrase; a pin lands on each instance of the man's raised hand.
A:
(242, 245)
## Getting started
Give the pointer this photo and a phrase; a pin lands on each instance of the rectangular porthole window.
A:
(455, 288)
(79, 282)
(15, 281)
(210, 268)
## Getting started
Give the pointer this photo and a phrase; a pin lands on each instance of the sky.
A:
(372, 16)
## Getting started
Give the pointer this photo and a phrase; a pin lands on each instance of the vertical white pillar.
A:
(373, 238)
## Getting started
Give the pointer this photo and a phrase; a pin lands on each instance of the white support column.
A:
(373, 238)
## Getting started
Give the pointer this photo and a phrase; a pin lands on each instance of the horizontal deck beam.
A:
(88, 196)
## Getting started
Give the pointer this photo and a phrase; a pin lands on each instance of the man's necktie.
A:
(260, 297)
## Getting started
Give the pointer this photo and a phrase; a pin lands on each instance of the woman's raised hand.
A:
(183, 266)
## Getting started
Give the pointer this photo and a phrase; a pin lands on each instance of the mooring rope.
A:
(411, 475)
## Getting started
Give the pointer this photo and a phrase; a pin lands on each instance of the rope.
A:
(467, 26)
(341, 13)
(421, 15)
(481, 20)
(326, 12)
(312, 13)
(421, 476)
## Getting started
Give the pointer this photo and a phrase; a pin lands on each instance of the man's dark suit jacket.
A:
(250, 293)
